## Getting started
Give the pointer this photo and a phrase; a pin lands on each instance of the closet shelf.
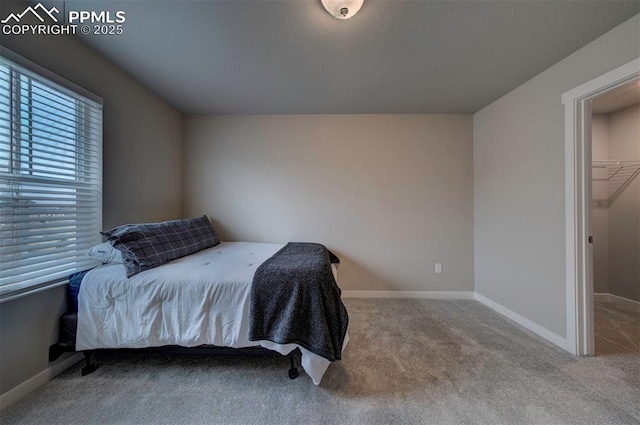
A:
(617, 173)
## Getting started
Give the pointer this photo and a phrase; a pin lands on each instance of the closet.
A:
(616, 224)
(616, 202)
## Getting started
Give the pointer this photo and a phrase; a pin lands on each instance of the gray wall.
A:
(600, 210)
(519, 214)
(624, 210)
(142, 182)
(390, 194)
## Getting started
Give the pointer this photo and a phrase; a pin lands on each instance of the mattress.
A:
(201, 299)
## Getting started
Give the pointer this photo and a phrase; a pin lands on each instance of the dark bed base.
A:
(67, 344)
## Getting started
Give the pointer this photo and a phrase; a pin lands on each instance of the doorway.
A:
(578, 202)
(615, 218)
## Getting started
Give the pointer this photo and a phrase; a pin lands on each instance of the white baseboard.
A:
(617, 299)
(545, 333)
(433, 295)
(16, 393)
(26, 387)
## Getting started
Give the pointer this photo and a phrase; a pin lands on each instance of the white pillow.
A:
(105, 253)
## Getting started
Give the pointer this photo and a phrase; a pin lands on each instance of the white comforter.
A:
(196, 300)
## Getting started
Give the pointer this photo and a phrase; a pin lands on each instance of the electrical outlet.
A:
(438, 268)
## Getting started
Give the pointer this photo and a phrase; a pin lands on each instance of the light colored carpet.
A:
(409, 362)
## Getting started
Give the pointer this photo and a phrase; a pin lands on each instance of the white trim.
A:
(605, 82)
(524, 322)
(43, 377)
(433, 295)
(611, 298)
(579, 284)
(545, 333)
(31, 384)
(622, 300)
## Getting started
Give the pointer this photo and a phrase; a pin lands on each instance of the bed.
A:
(209, 298)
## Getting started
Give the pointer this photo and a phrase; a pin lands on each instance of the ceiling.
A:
(394, 56)
(619, 98)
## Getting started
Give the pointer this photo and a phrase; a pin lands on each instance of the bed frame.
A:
(67, 344)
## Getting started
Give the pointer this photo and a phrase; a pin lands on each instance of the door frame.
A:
(579, 261)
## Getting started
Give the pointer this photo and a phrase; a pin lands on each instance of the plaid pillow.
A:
(145, 246)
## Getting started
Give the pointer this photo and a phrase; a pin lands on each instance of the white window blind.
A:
(50, 179)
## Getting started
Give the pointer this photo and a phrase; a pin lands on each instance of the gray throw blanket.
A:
(295, 299)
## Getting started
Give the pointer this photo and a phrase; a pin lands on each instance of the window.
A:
(50, 178)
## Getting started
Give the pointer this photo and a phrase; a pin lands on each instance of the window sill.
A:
(20, 293)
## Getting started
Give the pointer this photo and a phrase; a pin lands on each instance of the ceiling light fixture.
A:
(342, 9)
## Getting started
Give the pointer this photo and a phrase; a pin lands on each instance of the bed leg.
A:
(55, 351)
(88, 366)
(293, 372)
